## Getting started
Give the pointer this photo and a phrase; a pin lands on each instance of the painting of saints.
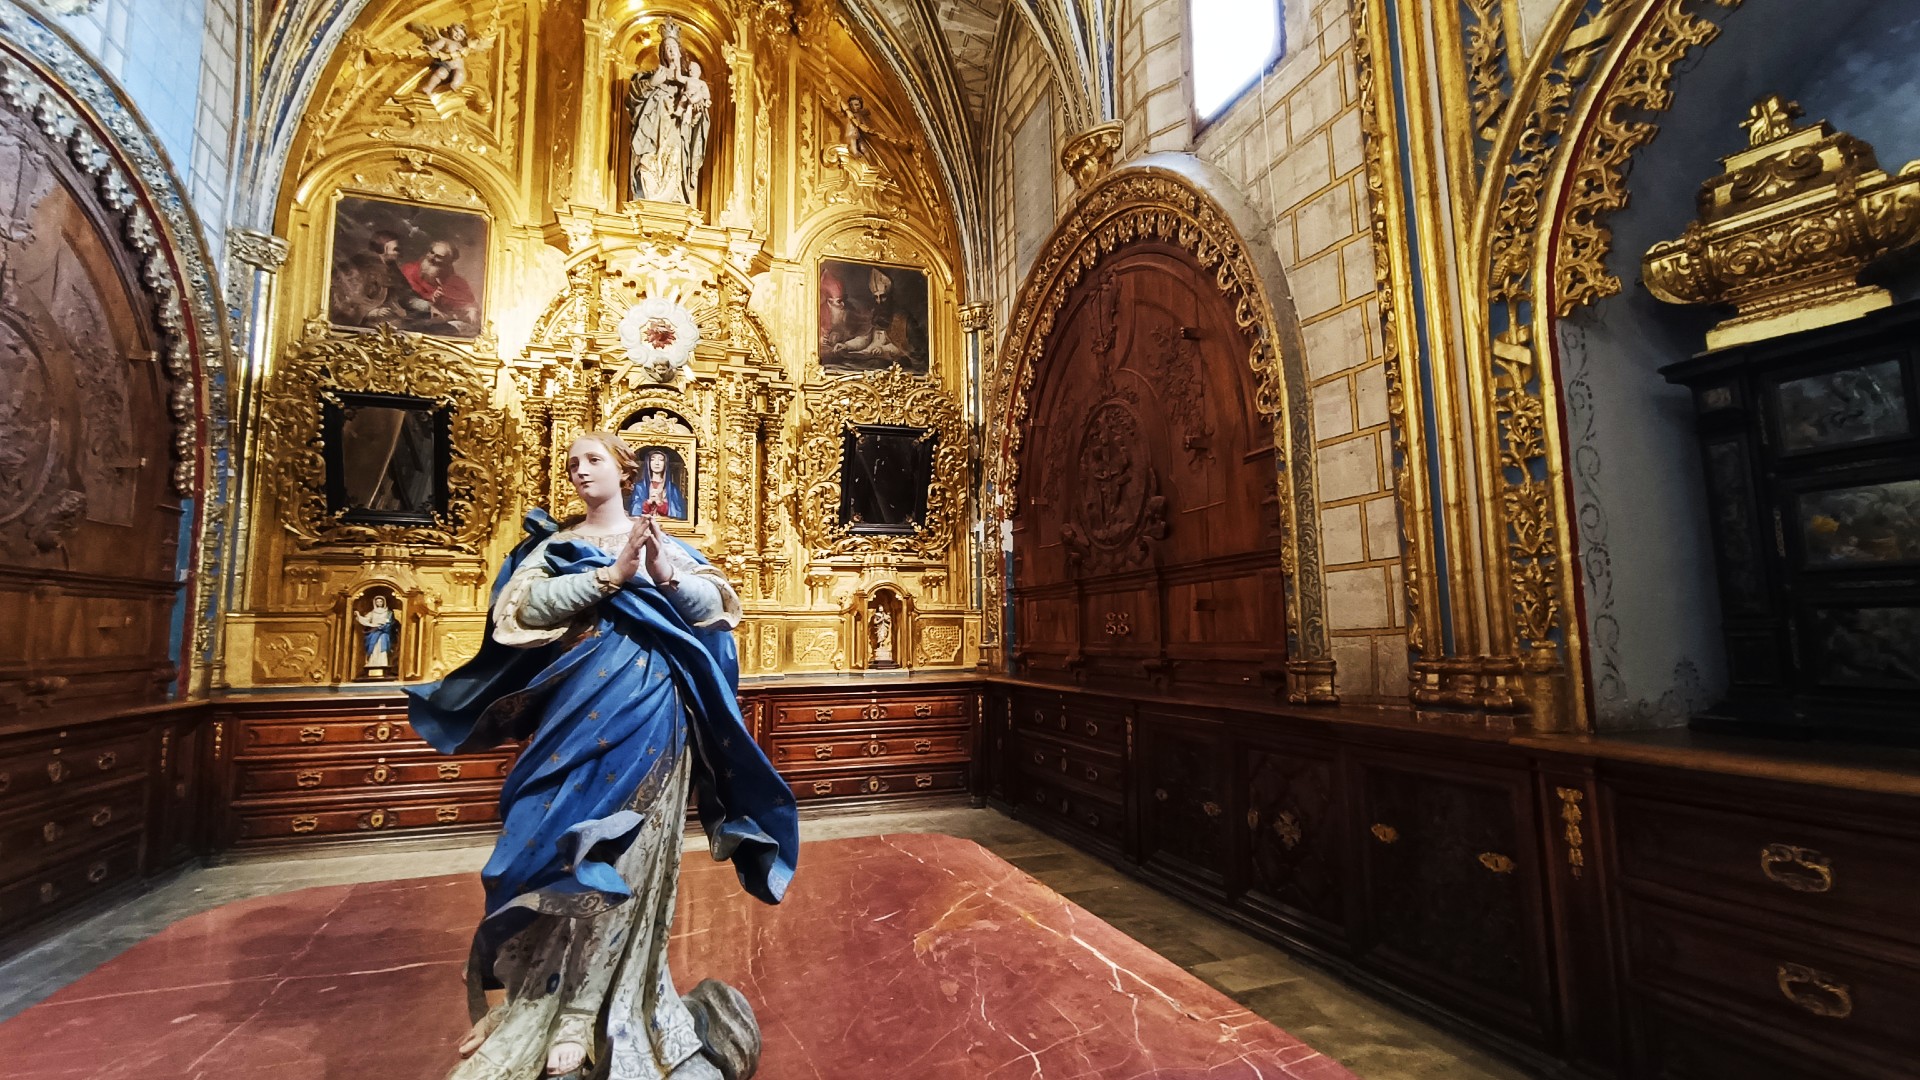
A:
(412, 268)
(662, 488)
(872, 318)
(380, 631)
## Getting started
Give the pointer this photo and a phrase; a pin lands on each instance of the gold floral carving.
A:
(386, 362)
(1487, 90)
(1136, 205)
(1785, 231)
(1598, 170)
(1088, 156)
(289, 657)
(938, 645)
(886, 397)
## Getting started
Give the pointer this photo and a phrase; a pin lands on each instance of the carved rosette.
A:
(887, 397)
(386, 362)
(1149, 204)
(1785, 231)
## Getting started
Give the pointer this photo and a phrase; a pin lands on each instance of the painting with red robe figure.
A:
(411, 267)
(872, 317)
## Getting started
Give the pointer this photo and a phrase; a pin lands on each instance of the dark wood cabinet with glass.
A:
(1811, 444)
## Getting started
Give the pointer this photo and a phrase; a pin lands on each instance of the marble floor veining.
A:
(1375, 1041)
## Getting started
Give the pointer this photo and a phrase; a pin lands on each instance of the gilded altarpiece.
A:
(810, 153)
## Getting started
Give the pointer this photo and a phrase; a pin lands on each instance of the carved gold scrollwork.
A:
(1572, 816)
(320, 367)
(887, 397)
(1814, 990)
(1798, 868)
(1496, 862)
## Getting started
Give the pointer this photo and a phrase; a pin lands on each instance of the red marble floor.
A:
(893, 957)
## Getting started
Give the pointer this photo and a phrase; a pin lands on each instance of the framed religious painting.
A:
(416, 268)
(872, 317)
(669, 457)
(886, 471)
(387, 457)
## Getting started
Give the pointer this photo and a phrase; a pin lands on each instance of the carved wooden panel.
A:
(1183, 808)
(1294, 835)
(1452, 888)
(89, 523)
(1147, 538)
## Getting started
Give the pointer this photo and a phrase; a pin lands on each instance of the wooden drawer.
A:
(878, 782)
(1855, 1003)
(1065, 718)
(1051, 760)
(464, 811)
(1051, 803)
(852, 711)
(827, 750)
(69, 883)
(261, 781)
(31, 841)
(259, 737)
(1842, 878)
(61, 763)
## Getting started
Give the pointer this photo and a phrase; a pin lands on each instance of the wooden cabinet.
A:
(1185, 828)
(1296, 836)
(1783, 911)
(1067, 762)
(848, 742)
(1451, 887)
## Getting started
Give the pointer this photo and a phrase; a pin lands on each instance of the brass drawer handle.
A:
(380, 732)
(51, 832)
(1819, 869)
(874, 711)
(923, 710)
(1093, 728)
(923, 746)
(450, 771)
(96, 873)
(876, 748)
(313, 734)
(1211, 809)
(1039, 757)
(823, 753)
(106, 761)
(1815, 991)
(305, 824)
(1499, 864)
(102, 816)
(380, 774)
(308, 778)
(821, 716)
(376, 819)
(1160, 794)
(823, 787)
(56, 771)
(1093, 821)
(1093, 774)
(923, 781)
(447, 813)
(875, 785)
(1386, 834)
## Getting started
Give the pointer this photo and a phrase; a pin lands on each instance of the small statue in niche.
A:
(447, 50)
(380, 632)
(880, 627)
(856, 126)
(671, 109)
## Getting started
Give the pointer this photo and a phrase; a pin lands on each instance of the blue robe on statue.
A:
(605, 716)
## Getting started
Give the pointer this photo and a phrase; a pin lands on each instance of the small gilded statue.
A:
(880, 624)
(447, 49)
(379, 632)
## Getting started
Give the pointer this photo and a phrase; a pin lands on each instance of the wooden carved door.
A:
(1146, 532)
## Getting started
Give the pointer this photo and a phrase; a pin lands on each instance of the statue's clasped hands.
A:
(647, 542)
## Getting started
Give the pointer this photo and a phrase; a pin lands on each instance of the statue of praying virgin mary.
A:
(612, 657)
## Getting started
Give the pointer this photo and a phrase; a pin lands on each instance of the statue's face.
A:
(593, 470)
(379, 603)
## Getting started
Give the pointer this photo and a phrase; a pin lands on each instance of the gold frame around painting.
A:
(884, 397)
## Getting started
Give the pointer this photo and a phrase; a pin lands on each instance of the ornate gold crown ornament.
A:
(1785, 231)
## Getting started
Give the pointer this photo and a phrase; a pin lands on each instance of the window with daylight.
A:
(1233, 42)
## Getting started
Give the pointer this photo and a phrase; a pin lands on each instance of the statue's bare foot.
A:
(479, 1033)
(565, 1057)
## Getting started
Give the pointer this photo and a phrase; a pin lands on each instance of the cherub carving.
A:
(447, 49)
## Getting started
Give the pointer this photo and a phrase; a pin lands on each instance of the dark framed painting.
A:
(386, 457)
(416, 268)
(872, 317)
(886, 471)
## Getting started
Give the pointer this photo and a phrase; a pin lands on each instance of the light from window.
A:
(1232, 42)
